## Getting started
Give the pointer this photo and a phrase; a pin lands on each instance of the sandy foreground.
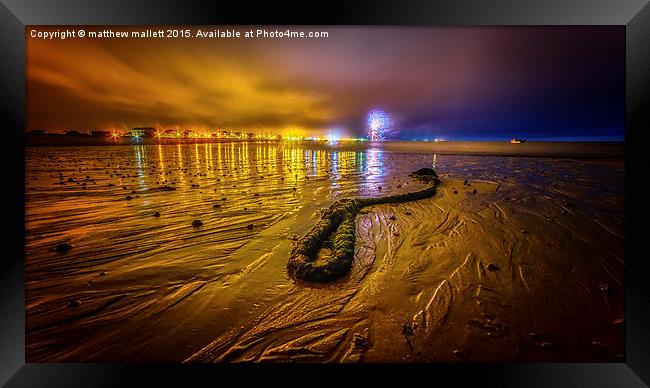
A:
(527, 268)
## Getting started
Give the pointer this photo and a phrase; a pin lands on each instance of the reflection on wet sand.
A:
(506, 266)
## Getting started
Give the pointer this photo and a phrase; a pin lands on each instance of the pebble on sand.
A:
(197, 223)
(63, 247)
(216, 206)
(156, 214)
(74, 303)
(128, 197)
(250, 226)
(547, 346)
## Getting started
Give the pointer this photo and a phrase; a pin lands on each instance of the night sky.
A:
(457, 83)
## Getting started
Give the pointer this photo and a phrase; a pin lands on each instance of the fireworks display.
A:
(378, 122)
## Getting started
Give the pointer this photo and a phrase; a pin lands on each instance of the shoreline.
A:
(571, 150)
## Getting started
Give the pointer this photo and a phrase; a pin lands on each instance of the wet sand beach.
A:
(514, 259)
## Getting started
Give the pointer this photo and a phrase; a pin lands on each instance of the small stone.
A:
(474, 191)
(604, 288)
(216, 206)
(524, 231)
(392, 218)
(74, 303)
(197, 223)
(156, 214)
(63, 247)
(250, 227)
(547, 346)
(408, 213)
(128, 198)
(223, 199)
(492, 267)
(455, 192)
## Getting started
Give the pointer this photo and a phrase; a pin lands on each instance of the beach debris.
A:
(408, 331)
(492, 267)
(197, 223)
(63, 247)
(359, 341)
(74, 303)
(156, 214)
(547, 346)
(604, 287)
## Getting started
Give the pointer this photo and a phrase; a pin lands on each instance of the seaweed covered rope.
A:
(336, 231)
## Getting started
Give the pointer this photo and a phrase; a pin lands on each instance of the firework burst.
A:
(377, 121)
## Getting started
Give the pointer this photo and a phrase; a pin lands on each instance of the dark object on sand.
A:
(474, 191)
(74, 303)
(455, 192)
(216, 206)
(492, 267)
(156, 214)
(128, 198)
(197, 223)
(337, 227)
(63, 247)
(250, 226)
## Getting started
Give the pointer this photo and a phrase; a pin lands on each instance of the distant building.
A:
(143, 132)
(250, 135)
(517, 141)
(100, 133)
(73, 133)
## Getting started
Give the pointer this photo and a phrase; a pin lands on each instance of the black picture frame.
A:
(633, 14)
